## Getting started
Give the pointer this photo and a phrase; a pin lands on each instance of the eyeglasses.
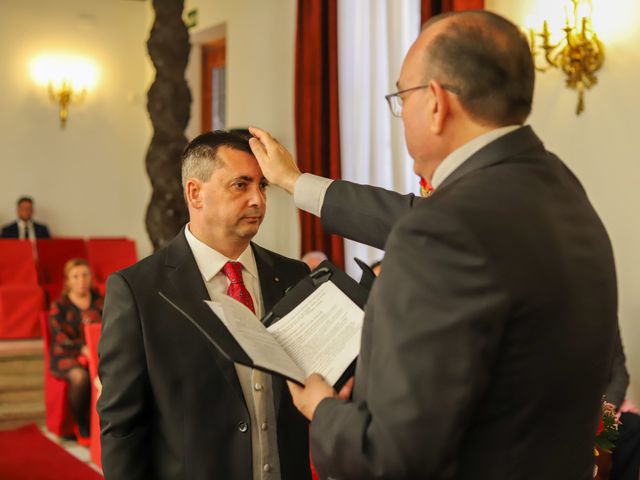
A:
(395, 100)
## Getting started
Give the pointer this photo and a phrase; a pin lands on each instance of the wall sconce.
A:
(67, 79)
(579, 54)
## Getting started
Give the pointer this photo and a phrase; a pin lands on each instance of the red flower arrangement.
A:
(607, 432)
(426, 188)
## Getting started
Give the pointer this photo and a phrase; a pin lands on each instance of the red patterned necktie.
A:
(237, 288)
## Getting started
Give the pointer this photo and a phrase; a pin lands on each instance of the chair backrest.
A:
(53, 253)
(46, 336)
(91, 338)
(17, 266)
(108, 255)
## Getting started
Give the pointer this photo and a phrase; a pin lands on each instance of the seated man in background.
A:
(24, 228)
(172, 406)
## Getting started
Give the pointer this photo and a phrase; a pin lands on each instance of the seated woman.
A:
(78, 305)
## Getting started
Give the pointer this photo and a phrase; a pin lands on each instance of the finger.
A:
(294, 388)
(268, 141)
(315, 378)
(347, 388)
(258, 149)
(262, 135)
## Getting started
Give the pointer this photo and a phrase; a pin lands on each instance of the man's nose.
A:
(258, 197)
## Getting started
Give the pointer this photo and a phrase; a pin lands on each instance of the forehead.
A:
(236, 163)
(78, 269)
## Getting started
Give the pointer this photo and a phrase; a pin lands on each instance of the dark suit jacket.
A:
(619, 377)
(11, 230)
(171, 405)
(487, 339)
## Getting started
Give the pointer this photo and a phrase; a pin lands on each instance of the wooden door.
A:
(214, 85)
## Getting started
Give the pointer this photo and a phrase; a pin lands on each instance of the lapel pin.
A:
(276, 279)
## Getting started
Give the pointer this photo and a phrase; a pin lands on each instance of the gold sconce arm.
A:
(579, 53)
(67, 79)
(64, 96)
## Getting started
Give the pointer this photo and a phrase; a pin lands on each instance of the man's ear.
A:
(439, 106)
(193, 193)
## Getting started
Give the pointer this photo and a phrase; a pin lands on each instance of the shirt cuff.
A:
(309, 192)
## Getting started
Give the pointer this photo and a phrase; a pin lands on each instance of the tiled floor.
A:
(81, 453)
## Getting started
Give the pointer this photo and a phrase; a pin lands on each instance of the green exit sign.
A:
(191, 19)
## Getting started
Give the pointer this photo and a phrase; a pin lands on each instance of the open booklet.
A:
(314, 328)
(320, 335)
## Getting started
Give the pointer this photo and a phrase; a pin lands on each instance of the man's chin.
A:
(249, 229)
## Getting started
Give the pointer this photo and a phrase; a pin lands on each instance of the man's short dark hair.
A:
(486, 60)
(200, 157)
(24, 199)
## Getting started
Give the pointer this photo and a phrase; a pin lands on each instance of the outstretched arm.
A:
(359, 212)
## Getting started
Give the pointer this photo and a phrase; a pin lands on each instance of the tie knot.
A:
(233, 271)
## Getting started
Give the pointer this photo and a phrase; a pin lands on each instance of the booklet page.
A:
(322, 334)
(254, 338)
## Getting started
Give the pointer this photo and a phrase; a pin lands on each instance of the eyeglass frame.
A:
(398, 94)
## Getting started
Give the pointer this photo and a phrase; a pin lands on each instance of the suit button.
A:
(257, 387)
(243, 427)
(267, 467)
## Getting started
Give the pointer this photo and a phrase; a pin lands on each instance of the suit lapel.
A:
(270, 278)
(513, 143)
(187, 281)
(272, 291)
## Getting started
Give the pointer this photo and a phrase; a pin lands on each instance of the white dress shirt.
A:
(256, 385)
(26, 231)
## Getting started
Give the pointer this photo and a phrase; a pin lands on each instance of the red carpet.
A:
(26, 454)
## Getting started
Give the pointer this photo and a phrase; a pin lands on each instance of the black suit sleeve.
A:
(10, 231)
(619, 381)
(124, 403)
(422, 369)
(363, 213)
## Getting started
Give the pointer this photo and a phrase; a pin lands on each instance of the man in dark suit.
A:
(172, 407)
(24, 228)
(488, 336)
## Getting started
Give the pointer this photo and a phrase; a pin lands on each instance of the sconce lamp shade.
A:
(67, 78)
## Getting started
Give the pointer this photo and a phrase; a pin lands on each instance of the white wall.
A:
(88, 179)
(600, 146)
(260, 38)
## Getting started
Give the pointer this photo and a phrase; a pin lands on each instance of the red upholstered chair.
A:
(58, 417)
(21, 298)
(92, 337)
(17, 265)
(108, 255)
(53, 253)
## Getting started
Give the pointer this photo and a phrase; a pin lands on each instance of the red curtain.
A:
(316, 111)
(429, 8)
